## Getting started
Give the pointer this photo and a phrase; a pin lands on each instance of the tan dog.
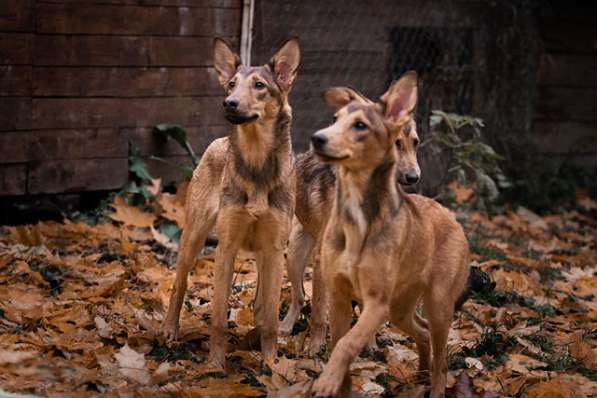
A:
(381, 247)
(315, 182)
(243, 185)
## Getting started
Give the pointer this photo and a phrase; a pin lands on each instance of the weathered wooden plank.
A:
(124, 82)
(55, 113)
(199, 137)
(569, 34)
(16, 48)
(122, 51)
(572, 104)
(78, 175)
(160, 3)
(15, 113)
(24, 146)
(559, 137)
(15, 81)
(16, 15)
(135, 20)
(568, 70)
(13, 179)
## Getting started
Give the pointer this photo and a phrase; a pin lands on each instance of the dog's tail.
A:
(478, 281)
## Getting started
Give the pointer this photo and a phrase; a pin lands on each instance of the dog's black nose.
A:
(230, 103)
(319, 140)
(412, 177)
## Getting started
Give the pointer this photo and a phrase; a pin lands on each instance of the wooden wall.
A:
(80, 78)
(565, 123)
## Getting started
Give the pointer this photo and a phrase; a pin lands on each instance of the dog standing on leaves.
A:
(381, 247)
(244, 186)
(315, 182)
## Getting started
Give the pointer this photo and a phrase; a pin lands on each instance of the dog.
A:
(381, 247)
(315, 181)
(244, 186)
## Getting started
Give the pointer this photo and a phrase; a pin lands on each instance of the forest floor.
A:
(80, 305)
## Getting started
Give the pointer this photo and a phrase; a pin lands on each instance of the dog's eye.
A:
(359, 126)
(231, 84)
(399, 144)
(259, 85)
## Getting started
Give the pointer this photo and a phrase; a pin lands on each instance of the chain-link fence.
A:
(472, 57)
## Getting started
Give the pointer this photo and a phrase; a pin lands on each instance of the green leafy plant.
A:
(135, 191)
(177, 133)
(471, 162)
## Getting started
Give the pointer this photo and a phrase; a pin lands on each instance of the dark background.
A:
(80, 79)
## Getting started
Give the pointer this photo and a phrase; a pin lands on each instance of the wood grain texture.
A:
(16, 48)
(39, 145)
(124, 82)
(15, 81)
(136, 20)
(13, 179)
(77, 175)
(16, 16)
(52, 113)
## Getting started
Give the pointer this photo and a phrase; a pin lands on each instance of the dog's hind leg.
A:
(300, 248)
(403, 314)
(439, 300)
(440, 318)
(200, 215)
(319, 306)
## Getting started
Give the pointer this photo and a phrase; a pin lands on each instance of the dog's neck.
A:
(363, 196)
(262, 149)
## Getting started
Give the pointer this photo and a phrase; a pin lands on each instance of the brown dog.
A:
(315, 182)
(244, 186)
(381, 247)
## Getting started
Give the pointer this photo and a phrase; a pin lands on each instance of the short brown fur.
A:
(315, 190)
(243, 185)
(398, 249)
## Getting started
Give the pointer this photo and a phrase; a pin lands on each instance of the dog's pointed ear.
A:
(285, 63)
(401, 99)
(339, 97)
(225, 61)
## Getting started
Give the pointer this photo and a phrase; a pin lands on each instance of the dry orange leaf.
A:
(173, 209)
(130, 215)
(553, 389)
(463, 193)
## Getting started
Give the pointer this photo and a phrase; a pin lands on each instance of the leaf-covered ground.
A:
(80, 304)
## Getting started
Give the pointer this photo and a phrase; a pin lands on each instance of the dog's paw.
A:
(286, 326)
(217, 361)
(326, 387)
(317, 342)
(170, 331)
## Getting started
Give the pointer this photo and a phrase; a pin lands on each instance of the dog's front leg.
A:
(231, 231)
(335, 379)
(272, 234)
(200, 216)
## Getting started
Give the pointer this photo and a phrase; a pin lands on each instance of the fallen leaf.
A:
(130, 215)
(103, 328)
(15, 356)
(463, 193)
(523, 364)
(172, 209)
(132, 365)
(553, 389)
